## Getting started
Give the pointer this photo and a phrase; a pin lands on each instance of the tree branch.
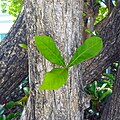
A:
(13, 59)
(110, 34)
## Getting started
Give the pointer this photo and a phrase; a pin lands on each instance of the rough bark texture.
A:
(110, 34)
(112, 109)
(61, 31)
(13, 59)
(63, 21)
(93, 68)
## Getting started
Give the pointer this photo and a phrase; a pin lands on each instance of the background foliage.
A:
(12, 7)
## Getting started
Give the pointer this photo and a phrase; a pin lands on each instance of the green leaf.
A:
(93, 88)
(23, 46)
(90, 48)
(107, 82)
(109, 76)
(10, 104)
(2, 117)
(54, 79)
(10, 116)
(83, 14)
(87, 91)
(23, 99)
(103, 86)
(13, 115)
(26, 90)
(109, 91)
(17, 114)
(48, 49)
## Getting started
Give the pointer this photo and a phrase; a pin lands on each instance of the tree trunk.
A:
(93, 67)
(13, 59)
(63, 21)
(112, 109)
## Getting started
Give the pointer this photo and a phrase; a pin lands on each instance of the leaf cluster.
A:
(58, 76)
(6, 107)
(100, 92)
(103, 12)
(10, 105)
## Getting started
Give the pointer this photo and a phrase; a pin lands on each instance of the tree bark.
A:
(91, 71)
(112, 109)
(110, 34)
(13, 59)
(63, 21)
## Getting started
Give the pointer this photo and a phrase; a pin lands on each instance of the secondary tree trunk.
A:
(63, 21)
(112, 109)
(13, 59)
